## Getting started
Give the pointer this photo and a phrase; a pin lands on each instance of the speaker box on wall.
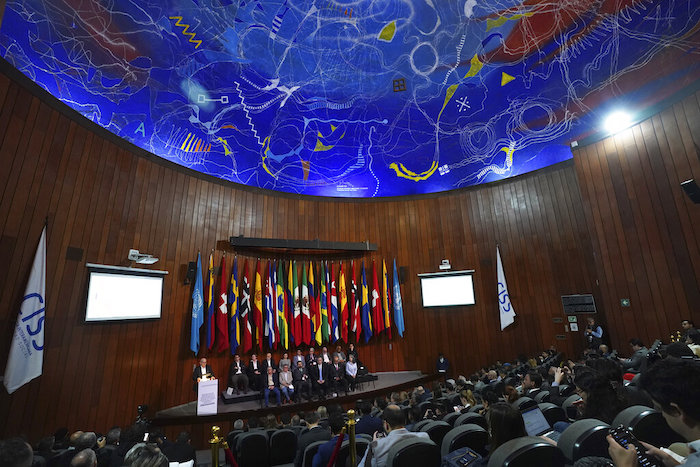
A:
(692, 190)
(191, 271)
(403, 274)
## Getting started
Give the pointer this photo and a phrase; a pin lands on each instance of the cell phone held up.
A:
(627, 440)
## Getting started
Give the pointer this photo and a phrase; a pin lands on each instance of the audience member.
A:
(674, 387)
(634, 363)
(686, 325)
(367, 424)
(312, 434)
(238, 425)
(298, 358)
(693, 341)
(325, 451)
(15, 452)
(271, 422)
(145, 455)
(505, 423)
(84, 458)
(182, 450)
(394, 426)
(600, 400)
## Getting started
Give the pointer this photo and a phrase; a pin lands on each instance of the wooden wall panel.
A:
(104, 199)
(644, 230)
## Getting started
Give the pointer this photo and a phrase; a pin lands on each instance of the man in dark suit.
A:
(269, 363)
(272, 385)
(367, 424)
(311, 358)
(320, 374)
(255, 374)
(337, 380)
(202, 372)
(325, 451)
(312, 434)
(237, 376)
(181, 450)
(301, 381)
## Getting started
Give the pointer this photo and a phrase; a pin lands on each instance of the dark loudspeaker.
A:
(692, 190)
(191, 271)
(403, 274)
(74, 253)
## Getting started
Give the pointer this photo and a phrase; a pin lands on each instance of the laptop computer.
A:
(537, 425)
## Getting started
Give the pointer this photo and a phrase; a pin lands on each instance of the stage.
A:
(386, 382)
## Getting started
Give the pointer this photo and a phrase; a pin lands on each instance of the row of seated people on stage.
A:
(304, 376)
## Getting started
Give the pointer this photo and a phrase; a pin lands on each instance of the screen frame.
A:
(429, 275)
(124, 271)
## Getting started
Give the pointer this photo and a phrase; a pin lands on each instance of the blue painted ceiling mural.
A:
(355, 98)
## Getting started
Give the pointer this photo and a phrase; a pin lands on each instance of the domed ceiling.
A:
(358, 98)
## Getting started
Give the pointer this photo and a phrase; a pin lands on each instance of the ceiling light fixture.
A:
(618, 121)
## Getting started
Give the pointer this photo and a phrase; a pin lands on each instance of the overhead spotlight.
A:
(618, 121)
(141, 258)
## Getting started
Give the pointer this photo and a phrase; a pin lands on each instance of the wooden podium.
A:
(207, 397)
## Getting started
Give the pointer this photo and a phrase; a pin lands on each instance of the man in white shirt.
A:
(298, 358)
(394, 425)
(324, 354)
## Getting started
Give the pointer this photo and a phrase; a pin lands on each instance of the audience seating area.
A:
(447, 423)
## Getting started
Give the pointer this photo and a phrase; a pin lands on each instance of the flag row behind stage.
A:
(288, 313)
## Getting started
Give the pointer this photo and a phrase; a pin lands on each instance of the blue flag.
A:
(398, 305)
(364, 310)
(197, 307)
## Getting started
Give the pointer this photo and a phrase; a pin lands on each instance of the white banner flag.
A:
(506, 309)
(27, 350)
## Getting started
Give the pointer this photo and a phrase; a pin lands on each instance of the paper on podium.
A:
(207, 397)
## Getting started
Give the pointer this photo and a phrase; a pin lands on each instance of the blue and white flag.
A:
(504, 306)
(26, 358)
(197, 307)
(398, 304)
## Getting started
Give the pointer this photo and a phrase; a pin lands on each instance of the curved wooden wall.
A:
(103, 199)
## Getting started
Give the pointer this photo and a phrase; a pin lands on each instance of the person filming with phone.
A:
(674, 386)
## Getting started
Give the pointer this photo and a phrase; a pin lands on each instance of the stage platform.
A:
(386, 382)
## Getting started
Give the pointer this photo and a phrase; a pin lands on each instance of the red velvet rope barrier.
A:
(338, 443)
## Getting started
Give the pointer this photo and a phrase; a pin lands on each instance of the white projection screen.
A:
(447, 288)
(118, 294)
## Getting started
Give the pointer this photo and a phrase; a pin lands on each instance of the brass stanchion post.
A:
(214, 444)
(351, 434)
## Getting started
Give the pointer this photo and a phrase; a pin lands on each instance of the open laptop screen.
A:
(535, 423)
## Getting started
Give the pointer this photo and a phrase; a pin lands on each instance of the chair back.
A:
(343, 457)
(476, 408)
(569, 406)
(418, 426)
(523, 403)
(283, 446)
(411, 452)
(553, 413)
(584, 438)
(566, 390)
(647, 425)
(251, 449)
(465, 436)
(451, 417)
(297, 429)
(474, 418)
(310, 452)
(437, 430)
(542, 396)
(527, 451)
(424, 406)
(231, 438)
